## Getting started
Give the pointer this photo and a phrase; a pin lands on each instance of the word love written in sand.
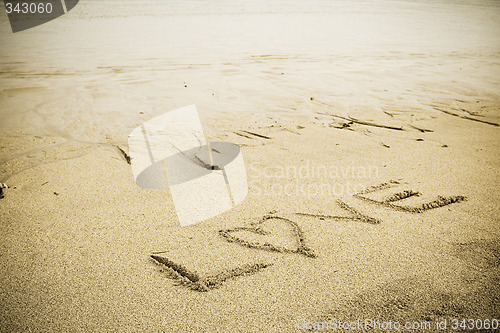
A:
(267, 235)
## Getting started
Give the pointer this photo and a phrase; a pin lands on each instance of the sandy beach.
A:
(371, 158)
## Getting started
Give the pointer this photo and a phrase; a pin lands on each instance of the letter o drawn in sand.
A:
(170, 151)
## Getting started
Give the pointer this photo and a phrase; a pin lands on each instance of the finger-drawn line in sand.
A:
(258, 135)
(362, 122)
(124, 154)
(355, 215)
(194, 281)
(251, 135)
(256, 228)
(384, 145)
(464, 116)
(243, 135)
(441, 201)
(421, 129)
(291, 131)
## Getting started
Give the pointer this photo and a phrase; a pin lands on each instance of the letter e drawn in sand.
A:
(204, 179)
(391, 200)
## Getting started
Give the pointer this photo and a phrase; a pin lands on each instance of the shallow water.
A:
(89, 74)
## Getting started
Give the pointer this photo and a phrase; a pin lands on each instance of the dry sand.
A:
(369, 107)
(77, 234)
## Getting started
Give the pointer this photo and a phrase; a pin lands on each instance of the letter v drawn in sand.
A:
(354, 214)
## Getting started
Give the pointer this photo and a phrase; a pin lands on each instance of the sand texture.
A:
(371, 144)
(78, 236)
